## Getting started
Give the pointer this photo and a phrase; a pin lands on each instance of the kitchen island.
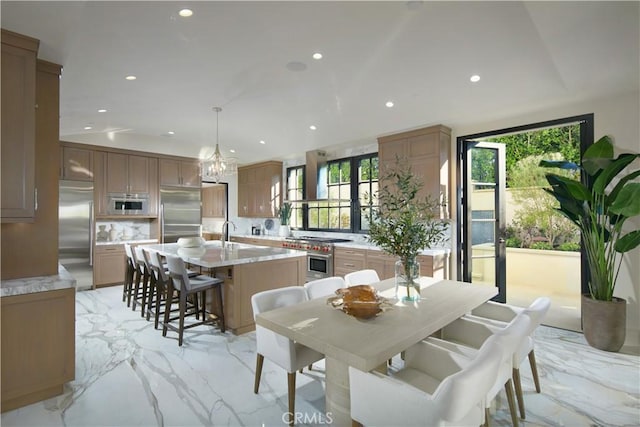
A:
(245, 269)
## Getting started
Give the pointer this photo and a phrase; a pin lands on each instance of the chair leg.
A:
(291, 381)
(487, 416)
(183, 309)
(518, 385)
(534, 370)
(167, 310)
(508, 387)
(156, 314)
(145, 287)
(133, 290)
(259, 361)
(220, 308)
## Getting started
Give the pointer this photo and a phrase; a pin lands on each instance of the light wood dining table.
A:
(367, 344)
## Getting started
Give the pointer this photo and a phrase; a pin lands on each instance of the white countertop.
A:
(32, 285)
(354, 244)
(211, 255)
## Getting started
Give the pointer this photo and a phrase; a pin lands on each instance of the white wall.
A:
(615, 115)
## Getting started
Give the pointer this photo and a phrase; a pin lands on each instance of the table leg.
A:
(337, 399)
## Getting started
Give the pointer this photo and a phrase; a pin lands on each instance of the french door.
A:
(483, 214)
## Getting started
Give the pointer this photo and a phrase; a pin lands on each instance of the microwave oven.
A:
(128, 204)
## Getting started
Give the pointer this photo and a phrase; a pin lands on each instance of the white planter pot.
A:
(284, 231)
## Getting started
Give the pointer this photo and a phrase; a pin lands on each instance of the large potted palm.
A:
(600, 209)
(403, 224)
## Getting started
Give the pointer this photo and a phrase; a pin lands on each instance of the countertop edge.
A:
(32, 285)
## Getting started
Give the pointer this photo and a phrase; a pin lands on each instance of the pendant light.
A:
(216, 166)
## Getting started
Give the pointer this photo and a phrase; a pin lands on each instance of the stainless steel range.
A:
(319, 254)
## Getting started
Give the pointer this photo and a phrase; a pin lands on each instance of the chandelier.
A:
(216, 166)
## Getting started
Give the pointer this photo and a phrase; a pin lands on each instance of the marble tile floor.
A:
(127, 374)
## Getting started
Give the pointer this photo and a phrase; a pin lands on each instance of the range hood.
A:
(316, 162)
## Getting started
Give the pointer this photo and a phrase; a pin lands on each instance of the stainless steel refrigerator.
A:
(75, 233)
(180, 213)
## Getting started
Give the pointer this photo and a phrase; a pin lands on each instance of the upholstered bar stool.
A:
(129, 270)
(185, 287)
(142, 282)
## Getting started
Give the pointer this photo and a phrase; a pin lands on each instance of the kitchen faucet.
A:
(225, 229)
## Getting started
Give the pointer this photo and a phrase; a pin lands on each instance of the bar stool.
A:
(186, 287)
(141, 279)
(129, 270)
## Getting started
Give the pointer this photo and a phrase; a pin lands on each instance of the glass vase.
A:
(408, 280)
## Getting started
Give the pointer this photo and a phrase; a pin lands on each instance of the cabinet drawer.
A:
(350, 253)
(350, 264)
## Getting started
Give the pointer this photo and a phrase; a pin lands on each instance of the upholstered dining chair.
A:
(129, 271)
(436, 387)
(465, 336)
(324, 287)
(187, 286)
(285, 353)
(499, 315)
(361, 277)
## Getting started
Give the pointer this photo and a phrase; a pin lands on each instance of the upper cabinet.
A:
(214, 201)
(259, 190)
(18, 127)
(427, 152)
(77, 164)
(128, 174)
(180, 173)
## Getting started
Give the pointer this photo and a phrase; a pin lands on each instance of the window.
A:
(295, 191)
(351, 188)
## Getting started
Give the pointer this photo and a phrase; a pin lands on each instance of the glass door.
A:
(483, 210)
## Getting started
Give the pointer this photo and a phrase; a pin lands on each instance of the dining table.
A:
(367, 344)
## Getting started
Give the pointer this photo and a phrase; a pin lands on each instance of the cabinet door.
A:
(18, 132)
(208, 202)
(108, 266)
(139, 174)
(244, 191)
(190, 174)
(169, 172)
(117, 173)
(77, 164)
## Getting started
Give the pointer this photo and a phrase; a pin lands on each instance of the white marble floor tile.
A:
(127, 374)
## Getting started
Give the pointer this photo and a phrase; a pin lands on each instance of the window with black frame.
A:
(350, 186)
(295, 192)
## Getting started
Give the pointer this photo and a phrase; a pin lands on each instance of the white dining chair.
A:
(361, 277)
(436, 387)
(324, 287)
(465, 336)
(285, 353)
(499, 315)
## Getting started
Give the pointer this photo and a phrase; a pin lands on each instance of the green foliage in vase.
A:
(284, 213)
(404, 223)
(600, 208)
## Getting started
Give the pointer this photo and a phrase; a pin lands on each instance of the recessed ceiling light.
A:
(185, 13)
(389, 104)
(232, 150)
(317, 55)
(88, 128)
(313, 127)
(475, 78)
(102, 110)
(262, 142)
(131, 77)
(171, 132)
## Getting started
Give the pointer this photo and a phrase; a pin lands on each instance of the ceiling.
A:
(254, 59)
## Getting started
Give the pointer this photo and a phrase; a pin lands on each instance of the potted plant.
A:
(284, 213)
(599, 206)
(404, 224)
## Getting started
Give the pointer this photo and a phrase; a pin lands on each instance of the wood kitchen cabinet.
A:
(180, 173)
(18, 127)
(77, 163)
(108, 265)
(260, 190)
(274, 243)
(427, 152)
(214, 201)
(348, 260)
(38, 346)
(128, 173)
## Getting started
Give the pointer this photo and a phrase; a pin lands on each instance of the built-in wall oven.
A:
(128, 204)
(319, 254)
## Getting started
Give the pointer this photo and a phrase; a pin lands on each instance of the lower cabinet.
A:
(38, 346)
(347, 260)
(108, 265)
(257, 242)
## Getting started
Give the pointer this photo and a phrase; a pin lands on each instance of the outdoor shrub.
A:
(513, 242)
(569, 247)
(541, 245)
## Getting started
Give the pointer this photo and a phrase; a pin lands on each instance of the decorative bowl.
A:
(190, 242)
(360, 301)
